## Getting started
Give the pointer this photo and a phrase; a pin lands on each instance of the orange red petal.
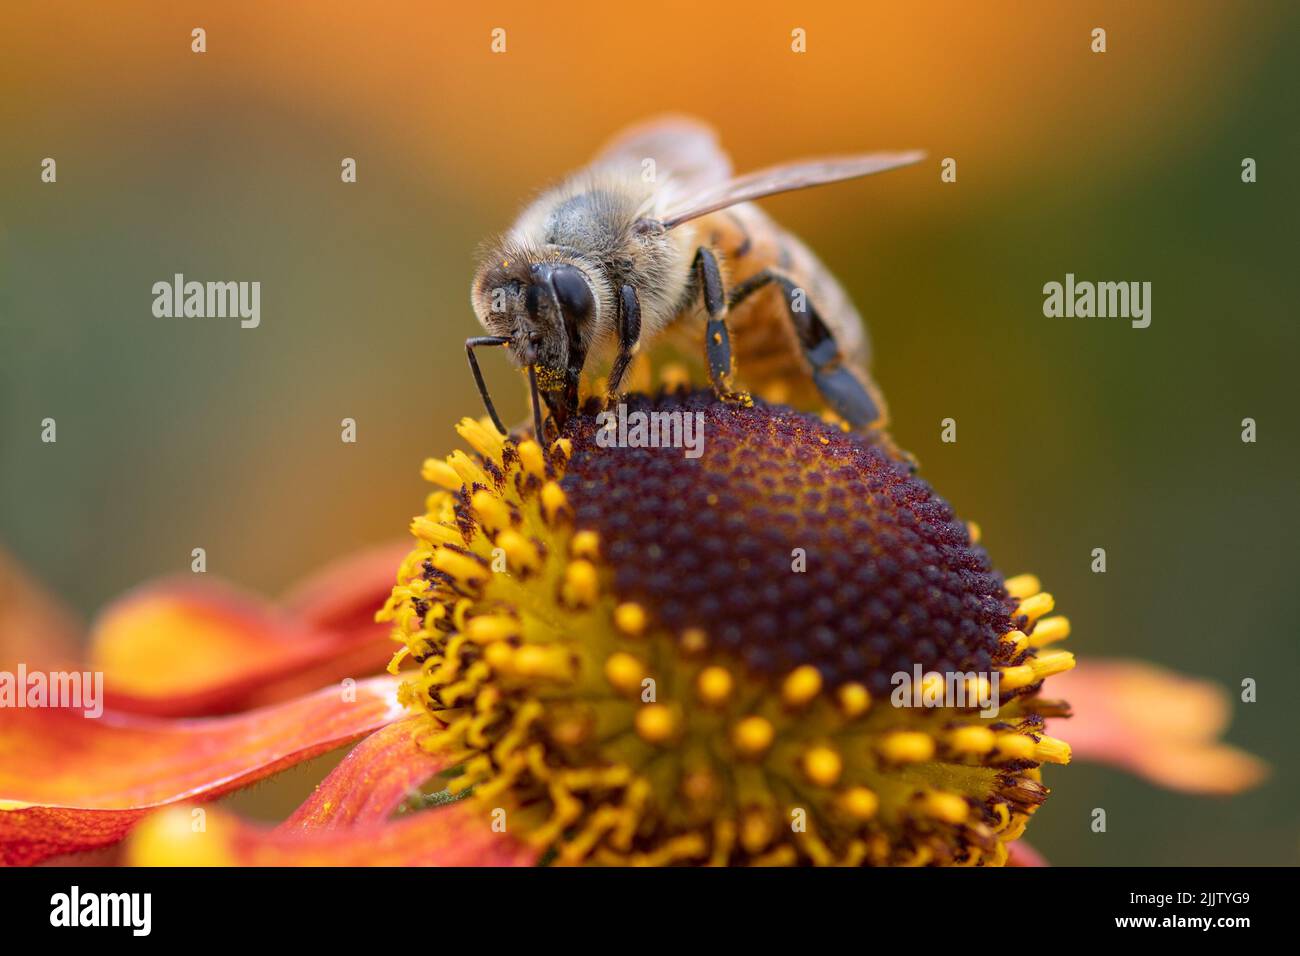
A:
(1020, 853)
(1155, 723)
(185, 649)
(461, 834)
(371, 782)
(68, 783)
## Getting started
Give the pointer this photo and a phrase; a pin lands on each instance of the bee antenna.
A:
(470, 345)
(537, 406)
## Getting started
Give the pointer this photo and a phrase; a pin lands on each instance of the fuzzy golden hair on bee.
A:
(610, 259)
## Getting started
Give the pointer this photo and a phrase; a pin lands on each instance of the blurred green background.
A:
(1072, 433)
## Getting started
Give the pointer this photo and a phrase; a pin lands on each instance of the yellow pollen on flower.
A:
(714, 685)
(801, 686)
(948, 807)
(1052, 750)
(491, 510)
(971, 740)
(1049, 630)
(554, 502)
(441, 474)
(459, 566)
(426, 529)
(532, 458)
(585, 545)
(907, 746)
(630, 618)
(694, 641)
(581, 584)
(547, 662)
(854, 699)
(656, 723)
(859, 803)
(530, 688)
(1023, 586)
(1014, 747)
(1052, 662)
(521, 554)
(482, 438)
(752, 736)
(492, 627)
(756, 830)
(823, 765)
(1016, 640)
(624, 673)
(1035, 607)
(470, 473)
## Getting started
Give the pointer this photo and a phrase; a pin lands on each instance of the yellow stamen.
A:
(492, 512)
(469, 472)
(1052, 750)
(655, 723)
(694, 641)
(492, 627)
(630, 618)
(1051, 662)
(752, 736)
(585, 545)
(823, 766)
(971, 740)
(624, 673)
(714, 685)
(553, 501)
(482, 439)
(1035, 607)
(441, 474)
(1023, 586)
(1050, 630)
(426, 529)
(948, 807)
(459, 566)
(907, 746)
(756, 830)
(1015, 747)
(1017, 640)
(521, 554)
(534, 660)
(532, 458)
(854, 699)
(581, 584)
(859, 803)
(801, 686)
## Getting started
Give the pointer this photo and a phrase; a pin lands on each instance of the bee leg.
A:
(470, 345)
(717, 342)
(854, 400)
(629, 333)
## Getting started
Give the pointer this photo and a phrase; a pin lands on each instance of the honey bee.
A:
(656, 238)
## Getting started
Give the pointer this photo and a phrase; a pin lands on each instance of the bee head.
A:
(547, 308)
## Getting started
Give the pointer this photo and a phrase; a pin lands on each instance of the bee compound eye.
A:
(572, 291)
(532, 300)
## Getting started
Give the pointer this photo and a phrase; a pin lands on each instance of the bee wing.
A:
(687, 156)
(800, 174)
